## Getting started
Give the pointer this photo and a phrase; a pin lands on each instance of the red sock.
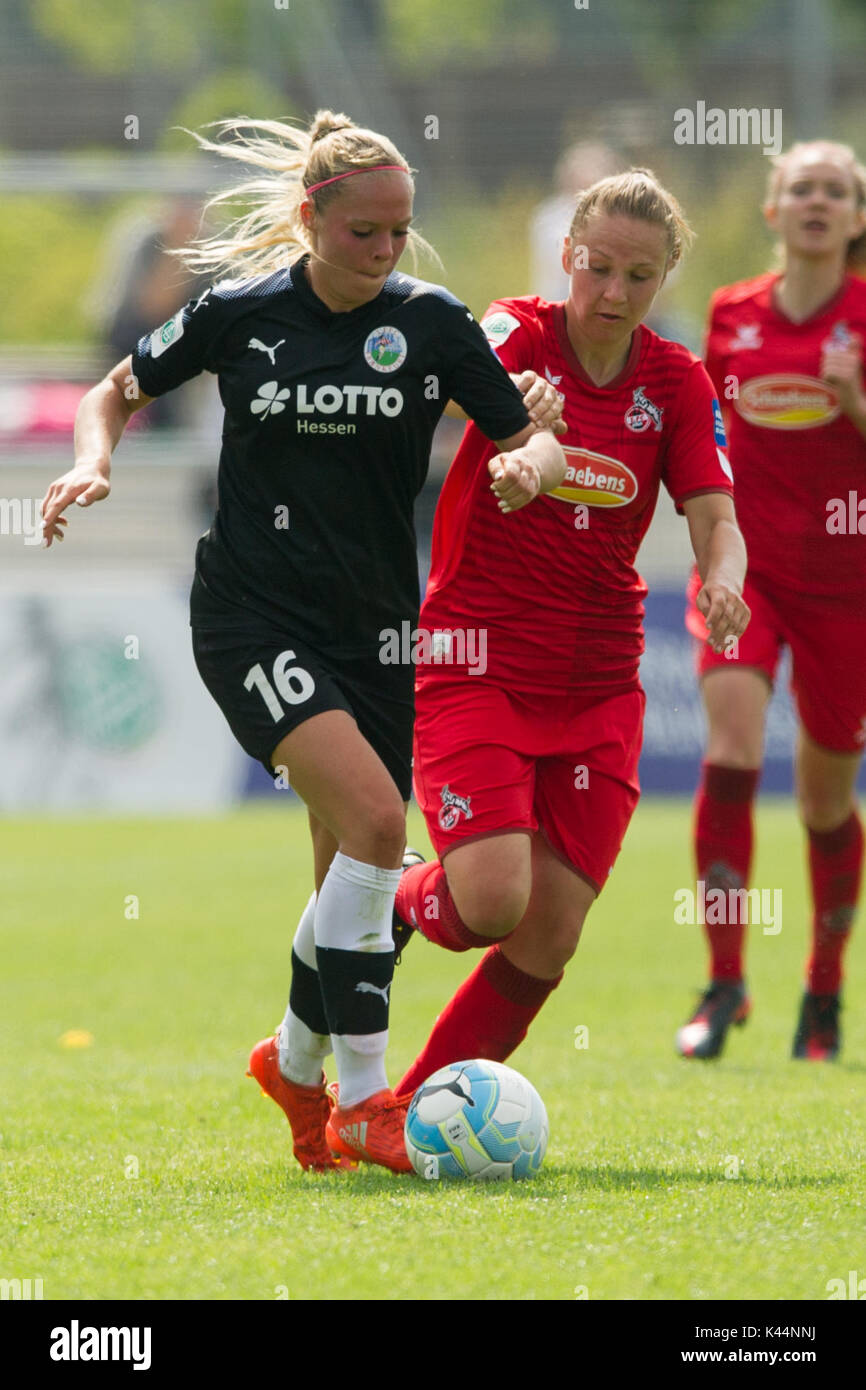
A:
(488, 1017)
(723, 851)
(424, 899)
(836, 864)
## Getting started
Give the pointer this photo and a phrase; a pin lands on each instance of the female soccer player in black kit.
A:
(333, 371)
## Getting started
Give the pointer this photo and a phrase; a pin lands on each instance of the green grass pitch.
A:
(146, 1166)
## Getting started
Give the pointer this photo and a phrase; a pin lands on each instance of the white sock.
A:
(354, 915)
(301, 1052)
(355, 908)
(304, 944)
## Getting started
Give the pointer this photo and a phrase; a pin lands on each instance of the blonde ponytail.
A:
(272, 235)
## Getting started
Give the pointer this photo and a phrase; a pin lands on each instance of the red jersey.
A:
(553, 585)
(792, 449)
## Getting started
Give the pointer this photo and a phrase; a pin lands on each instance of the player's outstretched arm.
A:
(100, 421)
(529, 463)
(541, 398)
(720, 553)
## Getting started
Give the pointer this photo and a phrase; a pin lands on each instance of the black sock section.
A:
(356, 989)
(305, 997)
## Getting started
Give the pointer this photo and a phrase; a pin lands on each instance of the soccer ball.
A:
(476, 1120)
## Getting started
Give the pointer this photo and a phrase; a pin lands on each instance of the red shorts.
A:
(828, 657)
(488, 761)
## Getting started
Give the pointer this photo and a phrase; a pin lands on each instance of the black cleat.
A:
(401, 931)
(723, 1003)
(817, 1038)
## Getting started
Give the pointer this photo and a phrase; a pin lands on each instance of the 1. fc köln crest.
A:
(643, 413)
(453, 806)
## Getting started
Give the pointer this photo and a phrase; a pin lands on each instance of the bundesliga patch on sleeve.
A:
(719, 425)
(162, 338)
(498, 327)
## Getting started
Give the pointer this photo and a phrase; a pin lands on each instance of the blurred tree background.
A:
(509, 84)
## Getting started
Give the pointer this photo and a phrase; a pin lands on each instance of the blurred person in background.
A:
(785, 351)
(579, 166)
(141, 283)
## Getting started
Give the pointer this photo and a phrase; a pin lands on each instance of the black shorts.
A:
(266, 683)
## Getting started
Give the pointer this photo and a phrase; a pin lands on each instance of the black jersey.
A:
(329, 419)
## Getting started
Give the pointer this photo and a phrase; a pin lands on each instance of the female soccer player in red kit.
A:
(526, 761)
(785, 353)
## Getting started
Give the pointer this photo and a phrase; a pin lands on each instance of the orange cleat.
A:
(306, 1108)
(372, 1130)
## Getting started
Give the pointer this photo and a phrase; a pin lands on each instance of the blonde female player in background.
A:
(527, 772)
(785, 351)
(327, 362)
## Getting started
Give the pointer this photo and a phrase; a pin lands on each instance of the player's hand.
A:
(516, 479)
(85, 483)
(725, 613)
(542, 400)
(842, 368)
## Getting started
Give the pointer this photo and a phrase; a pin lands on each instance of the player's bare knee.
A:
(734, 750)
(823, 810)
(493, 913)
(735, 716)
(734, 740)
(379, 837)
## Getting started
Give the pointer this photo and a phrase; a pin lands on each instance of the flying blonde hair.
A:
(272, 235)
(636, 193)
(844, 156)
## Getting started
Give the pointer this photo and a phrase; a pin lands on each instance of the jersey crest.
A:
(642, 413)
(385, 349)
(839, 336)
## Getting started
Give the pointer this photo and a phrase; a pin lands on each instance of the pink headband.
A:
(370, 169)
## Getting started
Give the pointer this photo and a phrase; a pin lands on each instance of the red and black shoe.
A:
(723, 1003)
(817, 1038)
(401, 931)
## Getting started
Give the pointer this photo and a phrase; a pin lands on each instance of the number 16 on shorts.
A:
(293, 684)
